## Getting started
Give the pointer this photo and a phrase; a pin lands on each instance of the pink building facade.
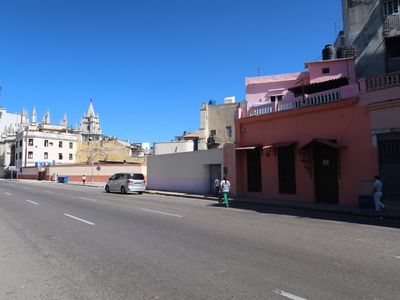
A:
(304, 136)
(381, 96)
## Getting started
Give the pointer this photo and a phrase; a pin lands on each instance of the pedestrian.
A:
(225, 187)
(378, 193)
(217, 189)
(83, 179)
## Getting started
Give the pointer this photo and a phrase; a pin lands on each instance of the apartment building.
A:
(304, 136)
(40, 144)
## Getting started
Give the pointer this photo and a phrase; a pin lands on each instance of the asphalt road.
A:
(73, 242)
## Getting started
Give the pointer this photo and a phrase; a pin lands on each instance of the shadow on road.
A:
(315, 214)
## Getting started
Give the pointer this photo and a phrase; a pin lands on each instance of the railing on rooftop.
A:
(298, 103)
(383, 81)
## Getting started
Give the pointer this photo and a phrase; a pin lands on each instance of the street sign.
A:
(98, 168)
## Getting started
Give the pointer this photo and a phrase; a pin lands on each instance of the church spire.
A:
(34, 117)
(90, 112)
(46, 119)
(64, 121)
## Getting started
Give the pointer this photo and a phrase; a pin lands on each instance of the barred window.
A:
(390, 7)
(389, 152)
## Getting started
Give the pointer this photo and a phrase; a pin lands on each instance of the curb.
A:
(370, 214)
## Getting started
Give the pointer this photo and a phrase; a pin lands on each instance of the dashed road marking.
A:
(89, 199)
(32, 202)
(50, 192)
(162, 213)
(79, 219)
(397, 257)
(288, 295)
(8, 194)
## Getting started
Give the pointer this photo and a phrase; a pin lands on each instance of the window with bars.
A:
(389, 151)
(390, 7)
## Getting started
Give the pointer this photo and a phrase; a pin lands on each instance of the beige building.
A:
(108, 150)
(217, 123)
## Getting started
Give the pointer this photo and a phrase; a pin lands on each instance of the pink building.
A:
(304, 136)
(381, 96)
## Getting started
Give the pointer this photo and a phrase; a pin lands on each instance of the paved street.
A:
(73, 242)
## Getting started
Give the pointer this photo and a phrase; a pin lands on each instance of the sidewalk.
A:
(392, 211)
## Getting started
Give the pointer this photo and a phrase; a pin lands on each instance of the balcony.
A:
(382, 82)
(309, 100)
(391, 26)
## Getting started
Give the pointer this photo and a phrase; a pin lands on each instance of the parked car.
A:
(126, 182)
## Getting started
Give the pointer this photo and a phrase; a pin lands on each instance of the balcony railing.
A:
(298, 103)
(391, 25)
(383, 81)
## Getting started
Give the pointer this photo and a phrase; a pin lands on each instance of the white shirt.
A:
(378, 186)
(216, 183)
(226, 186)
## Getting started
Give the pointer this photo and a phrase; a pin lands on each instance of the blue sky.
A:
(148, 65)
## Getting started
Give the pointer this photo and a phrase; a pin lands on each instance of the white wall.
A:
(7, 119)
(172, 147)
(187, 172)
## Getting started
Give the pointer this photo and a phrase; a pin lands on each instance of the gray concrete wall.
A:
(363, 28)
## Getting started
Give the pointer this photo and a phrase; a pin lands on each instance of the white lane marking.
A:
(89, 199)
(8, 194)
(288, 295)
(79, 219)
(33, 202)
(397, 257)
(48, 192)
(162, 213)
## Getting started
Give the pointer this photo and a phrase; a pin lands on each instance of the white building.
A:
(44, 144)
(9, 121)
(9, 124)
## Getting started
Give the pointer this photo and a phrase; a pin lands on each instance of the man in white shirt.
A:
(226, 187)
(378, 193)
(217, 189)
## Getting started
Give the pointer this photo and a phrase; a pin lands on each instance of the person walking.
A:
(217, 189)
(378, 193)
(226, 187)
(83, 179)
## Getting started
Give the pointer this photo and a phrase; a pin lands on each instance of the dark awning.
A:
(277, 145)
(322, 141)
(319, 86)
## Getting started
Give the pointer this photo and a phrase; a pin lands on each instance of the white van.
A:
(126, 182)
